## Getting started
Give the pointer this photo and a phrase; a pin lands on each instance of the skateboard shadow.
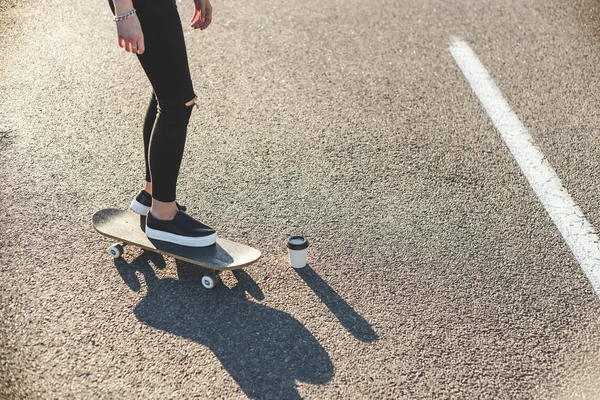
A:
(348, 317)
(263, 349)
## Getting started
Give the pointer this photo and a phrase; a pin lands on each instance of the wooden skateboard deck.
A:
(128, 227)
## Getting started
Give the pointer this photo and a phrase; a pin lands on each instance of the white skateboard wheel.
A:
(209, 281)
(115, 251)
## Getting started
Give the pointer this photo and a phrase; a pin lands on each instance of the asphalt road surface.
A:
(435, 271)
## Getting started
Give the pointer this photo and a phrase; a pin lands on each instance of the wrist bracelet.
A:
(124, 16)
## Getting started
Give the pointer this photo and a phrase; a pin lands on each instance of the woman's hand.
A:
(202, 15)
(129, 30)
(131, 37)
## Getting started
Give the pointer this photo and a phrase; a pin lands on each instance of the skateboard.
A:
(128, 228)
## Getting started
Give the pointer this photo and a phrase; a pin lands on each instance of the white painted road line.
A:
(572, 224)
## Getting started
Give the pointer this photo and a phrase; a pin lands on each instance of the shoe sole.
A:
(203, 241)
(139, 208)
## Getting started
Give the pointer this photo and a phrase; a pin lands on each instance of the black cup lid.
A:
(297, 243)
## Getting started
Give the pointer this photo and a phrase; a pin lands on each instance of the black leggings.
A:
(166, 65)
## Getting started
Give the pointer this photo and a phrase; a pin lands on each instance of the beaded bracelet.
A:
(124, 16)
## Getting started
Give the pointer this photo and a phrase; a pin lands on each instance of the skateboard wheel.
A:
(210, 281)
(115, 251)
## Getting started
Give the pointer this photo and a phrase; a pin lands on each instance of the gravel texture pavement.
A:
(434, 270)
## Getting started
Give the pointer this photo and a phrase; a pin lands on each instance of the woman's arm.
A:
(129, 31)
(202, 14)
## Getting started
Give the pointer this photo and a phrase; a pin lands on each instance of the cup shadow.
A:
(263, 349)
(348, 317)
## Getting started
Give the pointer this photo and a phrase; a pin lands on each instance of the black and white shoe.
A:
(143, 201)
(183, 230)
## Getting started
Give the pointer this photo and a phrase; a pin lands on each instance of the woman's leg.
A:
(166, 65)
(148, 127)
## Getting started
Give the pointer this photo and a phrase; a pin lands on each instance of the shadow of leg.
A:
(266, 351)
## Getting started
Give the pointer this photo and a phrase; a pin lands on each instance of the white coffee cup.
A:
(297, 250)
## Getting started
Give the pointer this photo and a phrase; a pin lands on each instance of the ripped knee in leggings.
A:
(193, 102)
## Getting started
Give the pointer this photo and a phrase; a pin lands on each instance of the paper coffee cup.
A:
(297, 250)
